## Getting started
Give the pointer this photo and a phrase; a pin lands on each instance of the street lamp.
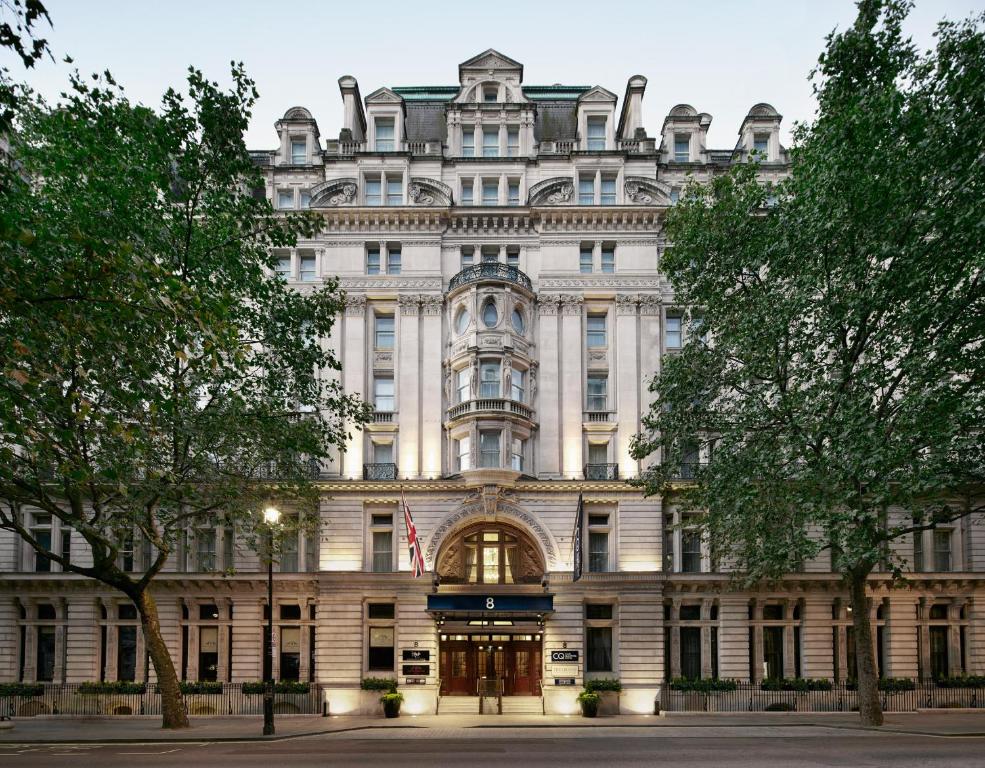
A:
(271, 516)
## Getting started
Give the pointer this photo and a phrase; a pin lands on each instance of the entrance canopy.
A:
(490, 608)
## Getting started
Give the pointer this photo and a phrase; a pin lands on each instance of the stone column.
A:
(354, 353)
(430, 386)
(757, 639)
(923, 613)
(733, 637)
(650, 310)
(954, 638)
(817, 640)
(975, 638)
(901, 636)
(625, 365)
(675, 639)
(9, 638)
(706, 661)
(408, 382)
(572, 384)
(545, 390)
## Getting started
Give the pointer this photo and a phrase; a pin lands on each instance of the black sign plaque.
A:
(564, 657)
(415, 654)
(415, 681)
(564, 681)
(416, 670)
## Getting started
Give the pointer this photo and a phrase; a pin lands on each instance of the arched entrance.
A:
(491, 650)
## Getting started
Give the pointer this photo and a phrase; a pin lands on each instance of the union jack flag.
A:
(413, 543)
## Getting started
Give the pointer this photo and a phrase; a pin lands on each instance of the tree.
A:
(156, 375)
(18, 32)
(838, 380)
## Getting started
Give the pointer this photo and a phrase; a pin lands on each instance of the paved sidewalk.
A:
(105, 730)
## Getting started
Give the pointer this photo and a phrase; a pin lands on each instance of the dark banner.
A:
(576, 540)
(492, 603)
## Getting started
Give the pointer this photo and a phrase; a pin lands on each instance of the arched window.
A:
(489, 314)
(490, 553)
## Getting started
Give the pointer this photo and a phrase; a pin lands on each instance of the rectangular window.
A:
(585, 261)
(918, 564)
(513, 257)
(307, 264)
(490, 192)
(382, 551)
(938, 653)
(383, 453)
(490, 254)
(596, 134)
(468, 142)
(489, 449)
(598, 453)
(490, 94)
(489, 380)
(597, 393)
(383, 399)
(608, 190)
(205, 549)
(468, 256)
(516, 385)
(299, 152)
(374, 192)
(283, 268)
(773, 652)
(384, 134)
(513, 142)
(126, 654)
(373, 261)
(516, 455)
(690, 551)
(598, 551)
(691, 653)
(675, 195)
(467, 198)
(586, 189)
(393, 256)
(290, 653)
(305, 199)
(601, 611)
(761, 145)
(608, 259)
(596, 331)
(672, 333)
(599, 653)
(465, 384)
(46, 654)
(380, 648)
(464, 454)
(394, 192)
(942, 550)
(289, 555)
(42, 534)
(285, 198)
(490, 141)
(380, 611)
(513, 197)
(384, 331)
(66, 544)
(682, 148)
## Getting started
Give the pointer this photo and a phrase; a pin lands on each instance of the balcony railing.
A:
(601, 471)
(598, 416)
(310, 469)
(383, 417)
(490, 271)
(491, 405)
(379, 471)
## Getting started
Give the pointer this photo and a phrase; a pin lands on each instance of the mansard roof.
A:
(598, 94)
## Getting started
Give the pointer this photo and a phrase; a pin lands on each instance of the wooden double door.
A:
(516, 663)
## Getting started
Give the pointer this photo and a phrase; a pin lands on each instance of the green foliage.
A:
(703, 685)
(112, 686)
(201, 686)
(961, 681)
(888, 684)
(378, 684)
(392, 698)
(796, 684)
(21, 689)
(19, 20)
(281, 686)
(589, 698)
(603, 684)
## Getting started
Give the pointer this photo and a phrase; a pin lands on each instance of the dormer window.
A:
(761, 146)
(682, 148)
(596, 134)
(490, 94)
(299, 152)
(384, 134)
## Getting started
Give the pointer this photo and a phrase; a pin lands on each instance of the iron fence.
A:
(222, 699)
(754, 697)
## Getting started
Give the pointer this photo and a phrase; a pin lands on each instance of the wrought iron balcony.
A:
(687, 470)
(601, 471)
(491, 405)
(379, 471)
(490, 270)
(310, 469)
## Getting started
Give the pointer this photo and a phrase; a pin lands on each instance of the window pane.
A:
(673, 333)
(382, 551)
(384, 332)
(308, 268)
(598, 453)
(490, 192)
(490, 142)
(299, 152)
(516, 456)
(585, 261)
(466, 193)
(384, 135)
(513, 142)
(691, 653)
(394, 192)
(514, 193)
(608, 260)
(126, 653)
(285, 199)
(942, 550)
(597, 400)
(373, 192)
(381, 648)
(464, 454)
(383, 453)
(373, 261)
(682, 148)
(489, 380)
(516, 385)
(586, 190)
(608, 191)
(691, 552)
(46, 654)
(489, 449)
(596, 134)
(468, 142)
(383, 394)
(598, 552)
(465, 384)
(393, 262)
(599, 649)
(596, 330)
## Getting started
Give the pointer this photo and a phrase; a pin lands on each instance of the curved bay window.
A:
(490, 554)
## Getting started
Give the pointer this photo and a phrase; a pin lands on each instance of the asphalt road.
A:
(786, 747)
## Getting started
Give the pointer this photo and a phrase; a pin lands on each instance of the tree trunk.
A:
(869, 706)
(172, 705)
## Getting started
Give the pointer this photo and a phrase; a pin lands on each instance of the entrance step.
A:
(522, 705)
(459, 705)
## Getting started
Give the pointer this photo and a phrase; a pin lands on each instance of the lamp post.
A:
(271, 515)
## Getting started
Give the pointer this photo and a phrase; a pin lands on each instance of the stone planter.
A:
(609, 704)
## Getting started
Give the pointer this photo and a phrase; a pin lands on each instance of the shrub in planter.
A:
(589, 701)
(961, 681)
(378, 684)
(281, 686)
(21, 689)
(705, 685)
(201, 686)
(602, 685)
(391, 703)
(795, 684)
(112, 687)
(888, 684)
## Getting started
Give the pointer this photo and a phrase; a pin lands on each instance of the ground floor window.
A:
(290, 653)
(380, 649)
(46, 654)
(599, 650)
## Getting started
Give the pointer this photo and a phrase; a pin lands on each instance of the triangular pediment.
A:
(597, 95)
(384, 96)
(491, 59)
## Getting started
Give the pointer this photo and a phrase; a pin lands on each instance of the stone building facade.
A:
(500, 246)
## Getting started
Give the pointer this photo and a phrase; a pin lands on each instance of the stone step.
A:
(522, 705)
(459, 705)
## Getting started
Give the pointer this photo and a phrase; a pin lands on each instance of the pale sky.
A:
(719, 56)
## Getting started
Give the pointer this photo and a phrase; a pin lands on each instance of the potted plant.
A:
(589, 701)
(391, 703)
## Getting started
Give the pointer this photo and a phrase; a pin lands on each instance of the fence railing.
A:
(752, 697)
(228, 699)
